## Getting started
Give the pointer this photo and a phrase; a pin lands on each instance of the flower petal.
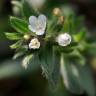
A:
(40, 32)
(34, 44)
(42, 21)
(31, 29)
(63, 39)
(32, 21)
(38, 25)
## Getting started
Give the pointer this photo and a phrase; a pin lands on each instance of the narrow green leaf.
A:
(86, 79)
(66, 27)
(74, 75)
(16, 45)
(67, 49)
(27, 59)
(50, 64)
(18, 54)
(59, 91)
(70, 76)
(56, 70)
(19, 25)
(13, 36)
(69, 24)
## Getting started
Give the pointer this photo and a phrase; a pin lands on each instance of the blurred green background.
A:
(15, 80)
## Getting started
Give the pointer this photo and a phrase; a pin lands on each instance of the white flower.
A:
(34, 44)
(63, 39)
(37, 25)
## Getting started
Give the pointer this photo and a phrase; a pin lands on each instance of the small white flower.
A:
(37, 25)
(63, 39)
(34, 44)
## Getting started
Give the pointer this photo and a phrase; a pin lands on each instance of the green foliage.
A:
(50, 64)
(27, 60)
(80, 36)
(60, 90)
(13, 36)
(17, 55)
(19, 25)
(77, 78)
(16, 45)
(86, 79)
(70, 76)
(69, 60)
(66, 26)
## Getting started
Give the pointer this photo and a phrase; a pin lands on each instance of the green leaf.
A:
(68, 49)
(16, 45)
(19, 25)
(76, 56)
(53, 25)
(66, 27)
(80, 36)
(27, 59)
(50, 64)
(59, 91)
(70, 76)
(13, 36)
(56, 69)
(18, 54)
(69, 24)
(86, 79)
(28, 10)
(77, 78)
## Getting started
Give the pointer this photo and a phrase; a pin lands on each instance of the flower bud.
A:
(63, 39)
(26, 37)
(56, 11)
(34, 44)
